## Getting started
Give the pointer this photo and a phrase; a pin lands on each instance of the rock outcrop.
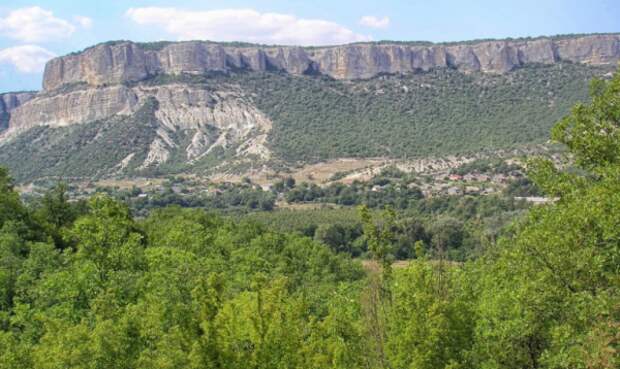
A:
(12, 100)
(192, 120)
(223, 118)
(77, 106)
(121, 62)
(9, 102)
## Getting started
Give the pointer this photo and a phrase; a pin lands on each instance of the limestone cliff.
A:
(9, 102)
(77, 106)
(222, 118)
(202, 120)
(12, 100)
(119, 62)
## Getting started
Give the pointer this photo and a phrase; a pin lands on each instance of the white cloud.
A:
(84, 22)
(35, 24)
(244, 25)
(374, 22)
(26, 58)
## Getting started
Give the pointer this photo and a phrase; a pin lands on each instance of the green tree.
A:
(551, 291)
(55, 213)
(108, 236)
(430, 322)
(380, 237)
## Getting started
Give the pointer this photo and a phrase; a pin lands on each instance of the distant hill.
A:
(123, 108)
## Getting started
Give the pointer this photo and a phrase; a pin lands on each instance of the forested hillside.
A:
(443, 112)
(88, 285)
(310, 118)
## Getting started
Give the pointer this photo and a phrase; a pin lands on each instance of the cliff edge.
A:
(124, 61)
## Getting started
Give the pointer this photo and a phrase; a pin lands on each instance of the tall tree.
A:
(551, 293)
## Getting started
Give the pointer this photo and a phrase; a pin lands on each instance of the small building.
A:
(377, 188)
(536, 200)
(488, 191)
(469, 177)
(500, 178)
(472, 190)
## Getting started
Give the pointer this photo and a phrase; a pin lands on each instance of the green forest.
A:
(88, 285)
(442, 112)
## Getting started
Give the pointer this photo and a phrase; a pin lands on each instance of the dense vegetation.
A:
(462, 225)
(315, 118)
(85, 285)
(436, 113)
(82, 150)
(225, 197)
(462, 220)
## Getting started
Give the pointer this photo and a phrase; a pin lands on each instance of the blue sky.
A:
(31, 32)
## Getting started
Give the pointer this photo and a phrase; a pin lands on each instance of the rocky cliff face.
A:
(12, 100)
(103, 83)
(72, 107)
(222, 118)
(9, 102)
(120, 62)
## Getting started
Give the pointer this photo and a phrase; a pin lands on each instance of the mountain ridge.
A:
(126, 61)
(209, 109)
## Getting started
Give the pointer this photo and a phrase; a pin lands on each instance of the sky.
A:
(32, 32)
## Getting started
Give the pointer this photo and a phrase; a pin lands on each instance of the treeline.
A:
(240, 197)
(389, 188)
(463, 224)
(84, 284)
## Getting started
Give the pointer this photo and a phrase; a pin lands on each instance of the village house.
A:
(536, 200)
(377, 188)
(472, 190)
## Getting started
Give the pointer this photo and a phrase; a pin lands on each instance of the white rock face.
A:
(74, 107)
(115, 63)
(9, 102)
(158, 154)
(224, 118)
(220, 119)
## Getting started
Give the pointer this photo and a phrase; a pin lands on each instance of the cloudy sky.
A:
(32, 32)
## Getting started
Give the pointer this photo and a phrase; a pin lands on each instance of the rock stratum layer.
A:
(121, 62)
(10, 101)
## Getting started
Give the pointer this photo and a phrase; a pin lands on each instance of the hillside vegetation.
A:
(87, 285)
(82, 150)
(437, 113)
(442, 112)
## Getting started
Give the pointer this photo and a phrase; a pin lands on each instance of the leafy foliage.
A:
(550, 292)
(436, 113)
(179, 287)
(184, 289)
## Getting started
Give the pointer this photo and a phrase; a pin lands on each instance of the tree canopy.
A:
(88, 285)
